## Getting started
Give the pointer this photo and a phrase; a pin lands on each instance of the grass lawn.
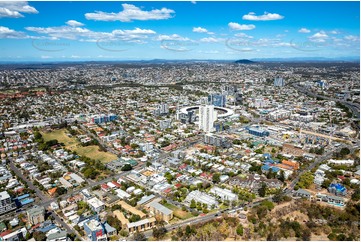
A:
(91, 151)
(178, 212)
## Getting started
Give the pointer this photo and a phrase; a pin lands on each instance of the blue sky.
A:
(177, 30)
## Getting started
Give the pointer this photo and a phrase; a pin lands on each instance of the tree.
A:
(240, 230)
(193, 204)
(126, 167)
(139, 236)
(39, 236)
(159, 233)
(216, 177)
(262, 190)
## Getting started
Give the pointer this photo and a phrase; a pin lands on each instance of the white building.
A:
(6, 204)
(224, 194)
(96, 205)
(341, 162)
(201, 197)
(207, 117)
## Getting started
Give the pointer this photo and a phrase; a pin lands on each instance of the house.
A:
(337, 189)
(333, 200)
(201, 197)
(58, 236)
(302, 193)
(96, 205)
(109, 230)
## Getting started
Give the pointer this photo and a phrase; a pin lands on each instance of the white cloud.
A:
(172, 37)
(199, 30)
(319, 37)
(131, 12)
(211, 40)
(46, 57)
(304, 30)
(14, 9)
(243, 35)
(6, 33)
(352, 38)
(265, 17)
(334, 32)
(194, 2)
(74, 23)
(237, 26)
(86, 35)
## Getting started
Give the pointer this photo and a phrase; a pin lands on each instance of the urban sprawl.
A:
(180, 151)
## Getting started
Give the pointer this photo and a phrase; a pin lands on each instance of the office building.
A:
(278, 82)
(207, 117)
(217, 100)
(216, 140)
(187, 118)
(162, 109)
(6, 205)
(102, 118)
(258, 132)
(165, 124)
(36, 215)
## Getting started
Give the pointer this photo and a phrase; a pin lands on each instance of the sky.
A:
(77, 31)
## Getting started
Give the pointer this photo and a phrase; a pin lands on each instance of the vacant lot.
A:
(178, 212)
(72, 144)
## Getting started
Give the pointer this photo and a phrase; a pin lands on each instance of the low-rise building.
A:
(95, 230)
(96, 205)
(224, 194)
(201, 197)
(35, 215)
(159, 210)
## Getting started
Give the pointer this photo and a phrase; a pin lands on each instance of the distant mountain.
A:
(244, 61)
(309, 59)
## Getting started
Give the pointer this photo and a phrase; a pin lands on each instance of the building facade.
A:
(207, 117)
(6, 204)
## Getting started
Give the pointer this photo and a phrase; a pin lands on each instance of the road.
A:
(43, 198)
(317, 161)
(355, 107)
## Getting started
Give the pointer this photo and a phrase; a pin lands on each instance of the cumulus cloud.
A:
(304, 30)
(74, 23)
(6, 33)
(14, 9)
(199, 30)
(131, 12)
(265, 17)
(319, 37)
(352, 38)
(211, 40)
(171, 37)
(84, 34)
(237, 26)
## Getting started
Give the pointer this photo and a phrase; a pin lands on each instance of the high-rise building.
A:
(279, 82)
(162, 109)
(218, 100)
(6, 204)
(207, 117)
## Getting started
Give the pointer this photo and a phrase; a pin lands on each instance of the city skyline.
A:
(33, 31)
